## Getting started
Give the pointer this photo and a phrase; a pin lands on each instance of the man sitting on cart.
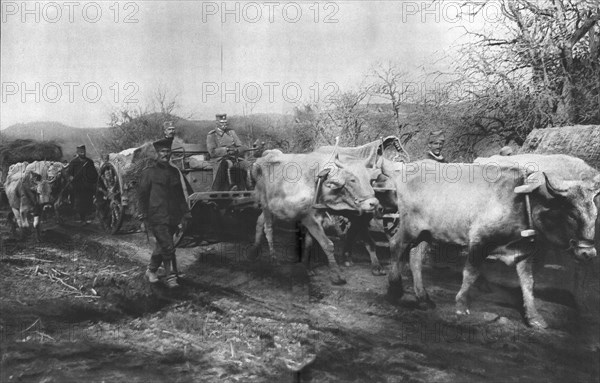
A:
(231, 170)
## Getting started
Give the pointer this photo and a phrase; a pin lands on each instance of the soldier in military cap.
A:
(222, 140)
(83, 177)
(435, 144)
(162, 206)
(169, 130)
(224, 147)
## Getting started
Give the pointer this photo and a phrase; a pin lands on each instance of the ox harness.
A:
(528, 235)
(322, 176)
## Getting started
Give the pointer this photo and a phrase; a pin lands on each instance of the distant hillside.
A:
(67, 137)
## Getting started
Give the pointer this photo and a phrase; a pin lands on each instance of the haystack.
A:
(20, 150)
(581, 141)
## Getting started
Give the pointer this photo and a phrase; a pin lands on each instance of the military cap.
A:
(82, 147)
(436, 134)
(168, 124)
(222, 117)
(162, 144)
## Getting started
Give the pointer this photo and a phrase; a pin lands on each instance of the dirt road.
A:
(77, 308)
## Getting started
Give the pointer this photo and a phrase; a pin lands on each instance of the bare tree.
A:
(347, 111)
(313, 127)
(133, 124)
(163, 101)
(391, 83)
(248, 110)
(547, 52)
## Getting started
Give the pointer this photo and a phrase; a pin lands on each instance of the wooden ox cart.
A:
(215, 214)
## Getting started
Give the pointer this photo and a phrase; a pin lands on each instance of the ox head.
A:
(45, 182)
(385, 191)
(348, 187)
(567, 214)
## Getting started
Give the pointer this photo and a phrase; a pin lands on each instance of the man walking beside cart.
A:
(162, 206)
(83, 177)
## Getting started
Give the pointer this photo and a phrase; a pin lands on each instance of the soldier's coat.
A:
(160, 195)
(218, 140)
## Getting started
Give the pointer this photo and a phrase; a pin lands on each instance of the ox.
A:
(33, 188)
(290, 188)
(388, 148)
(483, 207)
(567, 167)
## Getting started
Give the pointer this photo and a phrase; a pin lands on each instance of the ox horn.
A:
(532, 182)
(337, 161)
(540, 181)
(556, 187)
(381, 165)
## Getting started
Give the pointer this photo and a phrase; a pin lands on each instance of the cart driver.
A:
(223, 143)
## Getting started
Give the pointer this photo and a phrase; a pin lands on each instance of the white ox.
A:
(288, 189)
(33, 188)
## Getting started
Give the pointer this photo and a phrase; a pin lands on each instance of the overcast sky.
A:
(287, 52)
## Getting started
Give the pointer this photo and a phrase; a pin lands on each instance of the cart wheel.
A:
(108, 194)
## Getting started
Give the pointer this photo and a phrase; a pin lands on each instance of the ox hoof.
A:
(462, 310)
(537, 322)
(378, 271)
(337, 280)
(395, 290)
(348, 264)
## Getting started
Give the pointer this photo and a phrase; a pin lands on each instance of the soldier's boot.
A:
(161, 273)
(152, 276)
(171, 280)
(176, 270)
(230, 176)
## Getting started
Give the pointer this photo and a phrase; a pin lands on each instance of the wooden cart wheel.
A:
(183, 225)
(109, 206)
